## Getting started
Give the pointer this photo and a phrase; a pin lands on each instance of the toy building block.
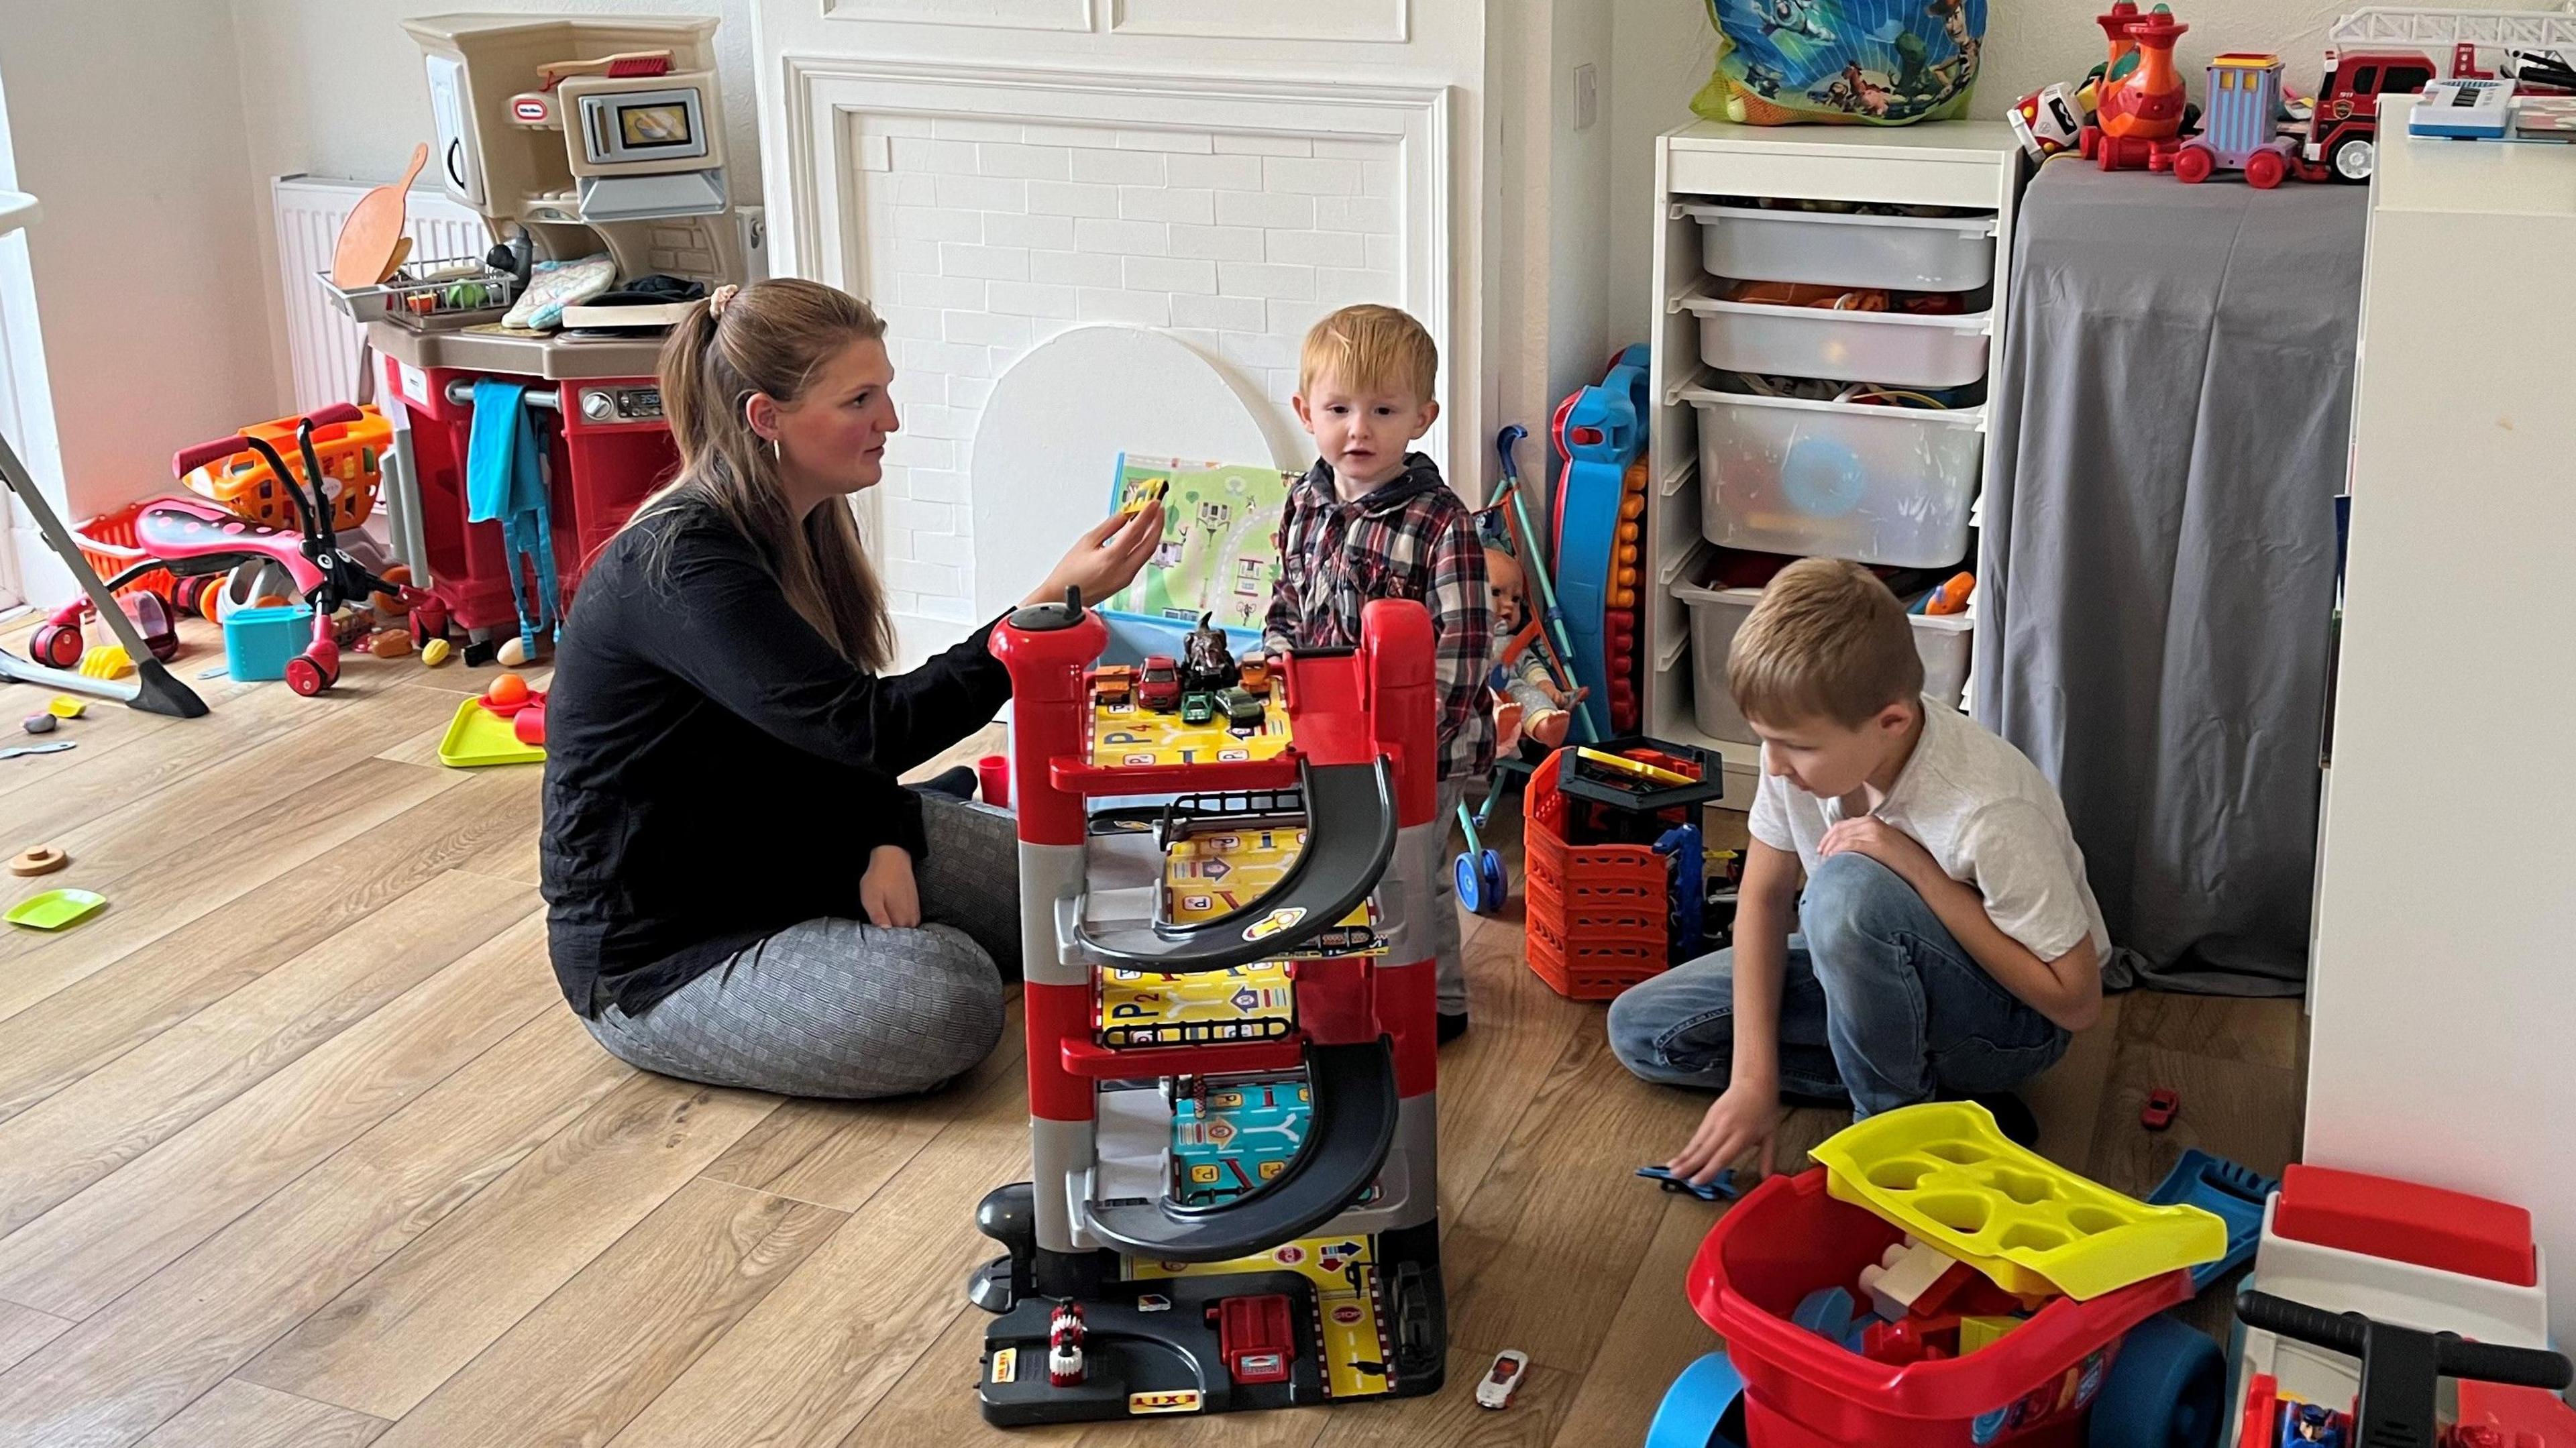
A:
(1911, 1340)
(1826, 1312)
(1913, 1278)
(1981, 1331)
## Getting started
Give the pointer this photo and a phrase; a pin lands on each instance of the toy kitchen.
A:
(593, 147)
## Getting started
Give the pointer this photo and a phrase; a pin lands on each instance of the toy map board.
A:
(1220, 543)
(1129, 734)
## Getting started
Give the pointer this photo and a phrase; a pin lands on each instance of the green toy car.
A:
(1243, 708)
(1198, 708)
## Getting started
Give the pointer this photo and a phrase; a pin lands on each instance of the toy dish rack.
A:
(430, 296)
(1601, 915)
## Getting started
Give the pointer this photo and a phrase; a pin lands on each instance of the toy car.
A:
(1255, 668)
(1160, 686)
(1243, 708)
(1152, 490)
(1503, 1379)
(1198, 707)
(1064, 1345)
(1113, 684)
(2162, 1104)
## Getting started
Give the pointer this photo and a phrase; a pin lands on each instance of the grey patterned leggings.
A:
(842, 1008)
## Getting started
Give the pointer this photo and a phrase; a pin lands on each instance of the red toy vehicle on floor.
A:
(193, 538)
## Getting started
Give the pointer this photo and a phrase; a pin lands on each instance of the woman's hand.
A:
(887, 891)
(1106, 558)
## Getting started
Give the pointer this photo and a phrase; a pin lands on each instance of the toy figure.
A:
(1527, 703)
(1207, 660)
(2139, 117)
(1794, 17)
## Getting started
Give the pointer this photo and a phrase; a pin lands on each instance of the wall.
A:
(334, 88)
(1662, 51)
(144, 262)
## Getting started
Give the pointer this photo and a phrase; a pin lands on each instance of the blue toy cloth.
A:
(505, 483)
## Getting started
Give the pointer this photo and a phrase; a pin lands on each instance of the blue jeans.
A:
(1879, 1004)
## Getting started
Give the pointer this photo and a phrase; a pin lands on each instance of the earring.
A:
(775, 455)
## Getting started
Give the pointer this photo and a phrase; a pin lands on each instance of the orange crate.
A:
(352, 455)
(1596, 912)
(1619, 917)
(107, 542)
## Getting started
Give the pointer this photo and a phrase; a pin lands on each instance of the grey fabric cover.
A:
(2171, 426)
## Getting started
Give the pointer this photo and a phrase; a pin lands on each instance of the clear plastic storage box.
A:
(1871, 483)
(1832, 248)
(1896, 349)
(1716, 614)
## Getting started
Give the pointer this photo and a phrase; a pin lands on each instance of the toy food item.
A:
(42, 860)
(64, 706)
(40, 724)
(436, 652)
(390, 643)
(529, 725)
(506, 692)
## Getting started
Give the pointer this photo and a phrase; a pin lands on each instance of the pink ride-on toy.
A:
(193, 538)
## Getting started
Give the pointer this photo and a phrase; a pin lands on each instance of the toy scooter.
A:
(2401, 1369)
(193, 538)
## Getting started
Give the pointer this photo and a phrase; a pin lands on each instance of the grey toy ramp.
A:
(1351, 1131)
(1350, 838)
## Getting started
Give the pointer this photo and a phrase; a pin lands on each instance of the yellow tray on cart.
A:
(1944, 1173)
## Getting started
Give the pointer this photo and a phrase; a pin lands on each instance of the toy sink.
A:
(1944, 1173)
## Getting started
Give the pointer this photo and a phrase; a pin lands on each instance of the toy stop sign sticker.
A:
(1290, 1255)
(1346, 1315)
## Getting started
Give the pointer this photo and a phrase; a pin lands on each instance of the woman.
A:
(737, 890)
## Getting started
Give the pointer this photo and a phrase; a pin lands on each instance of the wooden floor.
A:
(300, 1146)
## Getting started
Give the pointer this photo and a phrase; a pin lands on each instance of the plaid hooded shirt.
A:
(1410, 538)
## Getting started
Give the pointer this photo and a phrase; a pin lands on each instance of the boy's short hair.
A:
(1368, 347)
(1828, 640)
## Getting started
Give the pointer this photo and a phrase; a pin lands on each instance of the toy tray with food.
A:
(1944, 1173)
(477, 736)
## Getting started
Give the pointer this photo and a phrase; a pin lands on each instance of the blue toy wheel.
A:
(1695, 1409)
(1497, 885)
(1471, 886)
(2167, 1389)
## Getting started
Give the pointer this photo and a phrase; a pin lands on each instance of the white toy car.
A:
(1503, 1379)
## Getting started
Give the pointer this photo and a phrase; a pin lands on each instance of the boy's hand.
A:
(888, 892)
(1736, 1122)
(1869, 835)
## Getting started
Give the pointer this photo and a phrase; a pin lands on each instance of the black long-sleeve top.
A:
(715, 770)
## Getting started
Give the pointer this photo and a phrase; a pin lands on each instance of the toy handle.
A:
(188, 459)
(2348, 1333)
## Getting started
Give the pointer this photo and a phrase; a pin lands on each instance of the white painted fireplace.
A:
(995, 172)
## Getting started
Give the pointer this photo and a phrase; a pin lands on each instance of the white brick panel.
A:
(1225, 314)
(1035, 163)
(924, 578)
(1115, 304)
(982, 193)
(1199, 337)
(914, 385)
(1355, 213)
(1382, 254)
(1217, 243)
(1023, 299)
(1076, 269)
(1265, 280)
(909, 189)
(1250, 143)
(1258, 350)
(1311, 177)
(917, 223)
(1338, 287)
(1045, 233)
(1097, 137)
(914, 453)
(958, 128)
(933, 291)
(945, 609)
(1147, 203)
(902, 600)
(971, 393)
(1340, 147)
(1377, 178)
(903, 321)
(940, 422)
(921, 517)
(1123, 238)
(1072, 198)
(1316, 248)
(945, 487)
(953, 549)
(1268, 209)
(872, 123)
(945, 359)
(1193, 142)
(985, 329)
(994, 263)
(911, 153)
(1230, 173)
(1293, 319)
(1163, 274)
(1121, 168)
(913, 258)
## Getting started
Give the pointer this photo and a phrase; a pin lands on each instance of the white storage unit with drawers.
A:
(1880, 484)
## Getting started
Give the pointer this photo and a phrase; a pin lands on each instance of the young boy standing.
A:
(1371, 520)
(1947, 941)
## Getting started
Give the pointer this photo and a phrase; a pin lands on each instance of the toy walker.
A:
(1231, 1022)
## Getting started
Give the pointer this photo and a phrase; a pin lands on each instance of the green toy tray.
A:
(54, 909)
(477, 736)
(1944, 1173)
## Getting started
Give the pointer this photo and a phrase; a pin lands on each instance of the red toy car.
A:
(1160, 688)
(2162, 1105)
(1064, 1346)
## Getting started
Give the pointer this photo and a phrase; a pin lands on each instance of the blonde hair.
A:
(1827, 641)
(770, 337)
(1368, 347)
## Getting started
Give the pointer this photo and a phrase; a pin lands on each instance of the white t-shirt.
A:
(1986, 814)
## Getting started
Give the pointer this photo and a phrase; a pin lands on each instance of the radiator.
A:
(321, 342)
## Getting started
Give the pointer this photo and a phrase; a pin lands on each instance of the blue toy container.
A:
(259, 641)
